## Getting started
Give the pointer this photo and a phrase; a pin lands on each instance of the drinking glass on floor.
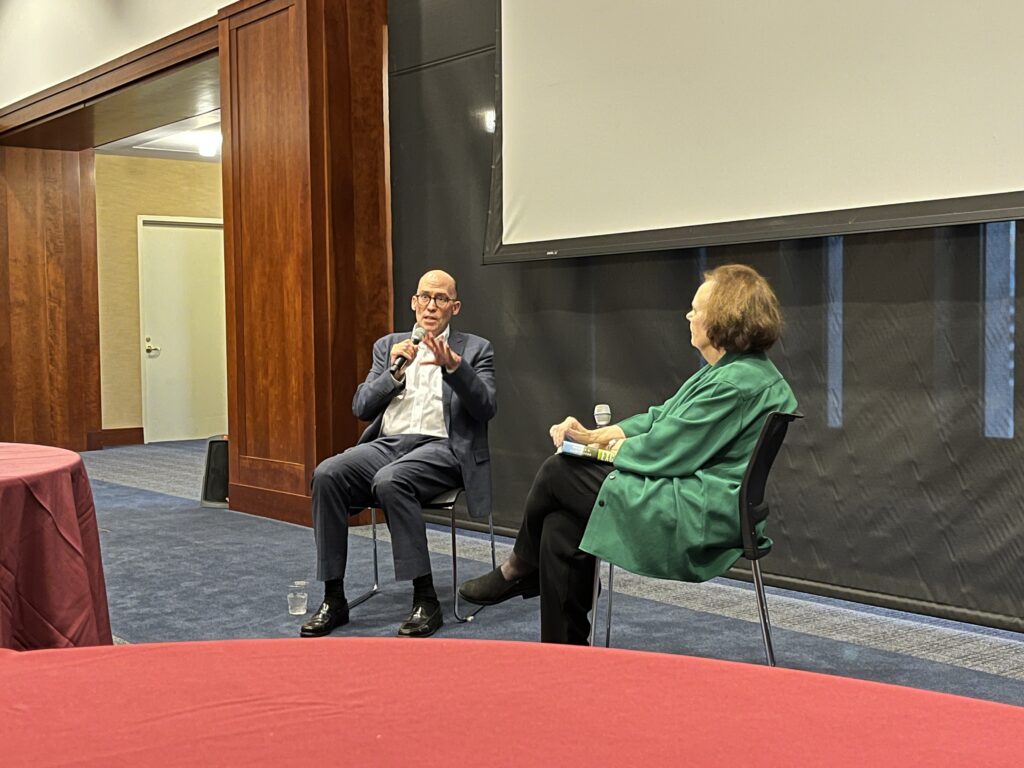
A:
(297, 596)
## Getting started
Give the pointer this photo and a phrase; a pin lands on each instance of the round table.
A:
(445, 702)
(52, 592)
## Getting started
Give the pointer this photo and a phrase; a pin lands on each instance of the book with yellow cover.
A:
(570, 448)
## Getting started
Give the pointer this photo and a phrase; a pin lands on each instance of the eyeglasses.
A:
(441, 300)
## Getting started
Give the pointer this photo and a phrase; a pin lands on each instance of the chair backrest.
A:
(753, 507)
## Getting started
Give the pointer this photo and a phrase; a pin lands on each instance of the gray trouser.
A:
(398, 474)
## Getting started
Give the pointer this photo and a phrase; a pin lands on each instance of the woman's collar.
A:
(725, 359)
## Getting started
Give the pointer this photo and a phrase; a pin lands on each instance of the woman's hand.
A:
(570, 424)
(580, 434)
(613, 446)
(571, 429)
(602, 437)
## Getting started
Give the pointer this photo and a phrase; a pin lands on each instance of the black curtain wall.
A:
(902, 487)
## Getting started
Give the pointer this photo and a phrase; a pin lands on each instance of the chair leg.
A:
(593, 605)
(608, 618)
(490, 527)
(762, 609)
(455, 569)
(376, 572)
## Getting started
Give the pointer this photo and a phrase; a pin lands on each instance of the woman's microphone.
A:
(417, 336)
(602, 414)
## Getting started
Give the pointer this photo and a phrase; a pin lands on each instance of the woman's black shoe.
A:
(493, 588)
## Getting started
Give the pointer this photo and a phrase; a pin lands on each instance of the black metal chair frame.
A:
(444, 503)
(753, 510)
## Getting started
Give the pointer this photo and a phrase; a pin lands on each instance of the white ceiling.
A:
(197, 138)
(44, 42)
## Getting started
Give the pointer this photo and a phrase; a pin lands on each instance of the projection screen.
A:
(654, 124)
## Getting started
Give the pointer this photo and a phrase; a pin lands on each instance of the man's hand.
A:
(404, 349)
(443, 354)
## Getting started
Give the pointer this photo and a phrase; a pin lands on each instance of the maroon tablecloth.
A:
(392, 701)
(52, 592)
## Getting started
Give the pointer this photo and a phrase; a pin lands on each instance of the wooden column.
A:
(49, 303)
(306, 236)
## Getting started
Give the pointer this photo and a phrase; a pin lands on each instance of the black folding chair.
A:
(443, 503)
(753, 510)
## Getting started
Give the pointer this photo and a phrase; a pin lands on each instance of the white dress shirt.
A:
(418, 409)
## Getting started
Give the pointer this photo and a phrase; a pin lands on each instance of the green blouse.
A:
(670, 508)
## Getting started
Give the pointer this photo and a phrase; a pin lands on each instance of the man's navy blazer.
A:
(470, 401)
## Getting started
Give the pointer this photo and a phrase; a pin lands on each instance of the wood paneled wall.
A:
(307, 245)
(305, 231)
(49, 307)
(360, 195)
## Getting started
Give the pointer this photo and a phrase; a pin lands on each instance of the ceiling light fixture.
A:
(208, 143)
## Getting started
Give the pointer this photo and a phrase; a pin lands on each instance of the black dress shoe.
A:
(424, 621)
(493, 588)
(327, 619)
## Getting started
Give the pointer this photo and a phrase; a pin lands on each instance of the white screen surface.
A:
(623, 117)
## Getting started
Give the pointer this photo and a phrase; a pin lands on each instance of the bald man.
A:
(428, 434)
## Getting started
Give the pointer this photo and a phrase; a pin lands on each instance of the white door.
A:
(183, 335)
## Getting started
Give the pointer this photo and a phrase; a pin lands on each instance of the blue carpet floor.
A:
(176, 571)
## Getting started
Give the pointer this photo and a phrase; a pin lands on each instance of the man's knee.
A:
(326, 472)
(332, 474)
(389, 481)
(320, 475)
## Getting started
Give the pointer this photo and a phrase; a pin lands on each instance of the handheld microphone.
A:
(417, 336)
(602, 414)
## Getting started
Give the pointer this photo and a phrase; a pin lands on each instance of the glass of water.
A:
(298, 595)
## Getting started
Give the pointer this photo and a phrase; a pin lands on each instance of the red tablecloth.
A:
(52, 592)
(391, 701)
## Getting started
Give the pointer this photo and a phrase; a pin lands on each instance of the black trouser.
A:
(556, 515)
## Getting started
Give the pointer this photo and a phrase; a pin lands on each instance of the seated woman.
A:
(669, 506)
